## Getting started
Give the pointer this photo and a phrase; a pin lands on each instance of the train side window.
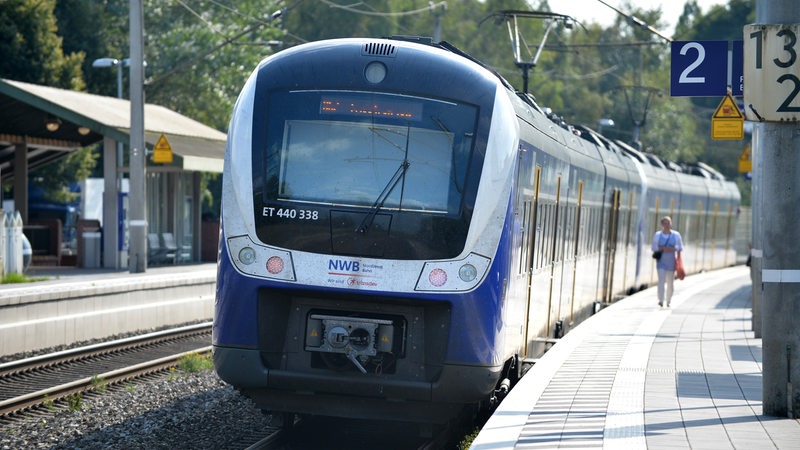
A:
(524, 256)
(542, 231)
(535, 220)
(545, 247)
(578, 251)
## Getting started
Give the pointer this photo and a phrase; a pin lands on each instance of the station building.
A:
(41, 124)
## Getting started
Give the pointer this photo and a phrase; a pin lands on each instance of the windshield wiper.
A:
(384, 195)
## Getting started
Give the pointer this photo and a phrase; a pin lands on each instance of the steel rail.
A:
(16, 404)
(64, 356)
(30, 368)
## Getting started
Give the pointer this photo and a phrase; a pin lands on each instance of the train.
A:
(403, 232)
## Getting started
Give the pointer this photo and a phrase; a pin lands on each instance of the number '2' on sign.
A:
(699, 68)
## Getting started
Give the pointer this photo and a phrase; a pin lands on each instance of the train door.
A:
(700, 237)
(730, 255)
(626, 239)
(554, 258)
(713, 238)
(531, 261)
(575, 251)
(612, 238)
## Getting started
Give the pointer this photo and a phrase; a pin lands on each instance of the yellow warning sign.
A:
(728, 109)
(746, 161)
(727, 121)
(314, 332)
(162, 152)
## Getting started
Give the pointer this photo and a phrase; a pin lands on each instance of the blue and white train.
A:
(401, 230)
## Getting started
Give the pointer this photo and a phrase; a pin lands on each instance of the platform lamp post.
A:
(111, 196)
(113, 62)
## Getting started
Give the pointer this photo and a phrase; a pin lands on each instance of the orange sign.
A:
(162, 152)
(727, 121)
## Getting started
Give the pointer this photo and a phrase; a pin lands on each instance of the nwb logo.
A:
(338, 264)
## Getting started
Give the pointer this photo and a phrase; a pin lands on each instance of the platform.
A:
(637, 376)
(74, 305)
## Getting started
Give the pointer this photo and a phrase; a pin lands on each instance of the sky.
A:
(588, 11)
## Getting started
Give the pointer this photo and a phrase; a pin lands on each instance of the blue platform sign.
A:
(699, 69)
(737, 69)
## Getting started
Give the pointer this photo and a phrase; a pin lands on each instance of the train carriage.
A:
(401, 231)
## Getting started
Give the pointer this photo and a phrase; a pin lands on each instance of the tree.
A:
(200, 53)
(54, 178)
(32, 52)
(31, 47)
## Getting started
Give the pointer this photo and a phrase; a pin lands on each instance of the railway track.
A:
(354, 434)
(35, 381)
(26, 386)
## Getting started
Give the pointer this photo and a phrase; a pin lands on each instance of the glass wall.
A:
(170, 217)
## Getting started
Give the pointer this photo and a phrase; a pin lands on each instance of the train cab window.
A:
(399, 161)
(350, 148)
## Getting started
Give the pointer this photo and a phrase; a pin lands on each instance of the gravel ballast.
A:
(176, 410)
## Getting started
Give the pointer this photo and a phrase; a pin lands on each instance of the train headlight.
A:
(471, 271)
(247, 255)
(437, 277)
(275, 265)
(375, 72)
(260, 260)
(467, 273)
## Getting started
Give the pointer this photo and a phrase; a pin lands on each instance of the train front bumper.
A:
(355, 395)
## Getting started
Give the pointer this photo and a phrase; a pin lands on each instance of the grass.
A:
(75, 402)
(467, 440)
(99, 384)
(195, 362)
(11, 278)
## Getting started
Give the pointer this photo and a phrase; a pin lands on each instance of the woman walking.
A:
(668, 242)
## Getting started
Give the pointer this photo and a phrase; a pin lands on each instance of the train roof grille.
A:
(379, 49)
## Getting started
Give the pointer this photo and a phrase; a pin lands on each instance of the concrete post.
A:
(756, 252)
(137, 191)
(21, 180)
(110, 205)
(779, 145)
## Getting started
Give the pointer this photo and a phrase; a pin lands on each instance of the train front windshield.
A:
(372, 174)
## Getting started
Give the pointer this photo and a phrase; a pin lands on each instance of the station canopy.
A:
(53, 122)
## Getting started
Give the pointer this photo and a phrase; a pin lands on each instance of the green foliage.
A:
(99, 384)
(31, 47)
(75, 401)
(195, 362)
(11, 278)
(97, 29)
(466, 442)
(200, 53)
(55, 177)
(197, 65)
(210, 183)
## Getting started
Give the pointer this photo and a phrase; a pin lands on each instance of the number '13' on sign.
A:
(772, 87)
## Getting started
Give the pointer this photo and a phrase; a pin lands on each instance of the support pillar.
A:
(137, 224)
(774, 59)
(21, 180)
(111, 259)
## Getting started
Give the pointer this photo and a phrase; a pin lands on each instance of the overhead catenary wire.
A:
(350, 8)
(187, 63)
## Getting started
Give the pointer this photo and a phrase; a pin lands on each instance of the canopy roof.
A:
(25, 108)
